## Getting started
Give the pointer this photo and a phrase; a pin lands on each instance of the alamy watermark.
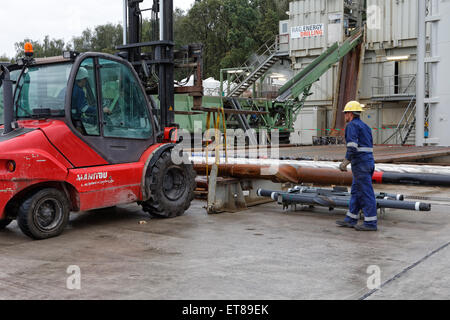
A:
(374, 280)
(73, 281)
(374, 17)
(235, 143)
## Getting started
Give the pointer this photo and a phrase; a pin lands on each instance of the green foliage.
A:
(47, 48)
(230, 30)
(103, 38)
(5, 58)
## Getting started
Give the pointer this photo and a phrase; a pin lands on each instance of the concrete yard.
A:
(261, 253)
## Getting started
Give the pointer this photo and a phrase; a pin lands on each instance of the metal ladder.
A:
(406, 127)
(266, 56)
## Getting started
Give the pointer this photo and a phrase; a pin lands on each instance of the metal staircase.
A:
(406, 128)
(256, 66)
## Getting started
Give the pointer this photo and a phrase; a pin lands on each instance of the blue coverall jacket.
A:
(358, 137)
(79, 103)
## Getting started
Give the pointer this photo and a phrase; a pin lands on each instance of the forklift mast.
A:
(160, 58)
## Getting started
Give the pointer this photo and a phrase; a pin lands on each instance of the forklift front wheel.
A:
(4, 223)
(44, 214)
(171, 187)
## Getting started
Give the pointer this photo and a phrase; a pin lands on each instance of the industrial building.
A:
(387, 79)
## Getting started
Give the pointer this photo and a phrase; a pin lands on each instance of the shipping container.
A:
(317, 24)
(391, 23)
(439, 100)
(311, 122)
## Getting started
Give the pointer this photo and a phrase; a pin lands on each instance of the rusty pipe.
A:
(321, 176)
(285, 173)
(318, 176)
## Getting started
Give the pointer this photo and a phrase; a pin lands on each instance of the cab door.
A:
(116, 121)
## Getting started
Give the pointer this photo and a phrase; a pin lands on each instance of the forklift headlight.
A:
(70, 55)
(11, 166)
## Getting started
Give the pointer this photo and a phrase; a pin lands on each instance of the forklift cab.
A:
(98, 96)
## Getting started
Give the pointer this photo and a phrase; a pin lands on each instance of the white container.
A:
(310, 123)
(439, 121)
(391, 23)
(314, 26)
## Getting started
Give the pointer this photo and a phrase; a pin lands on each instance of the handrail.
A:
(406, 121)
(267, 50)
(385, 90)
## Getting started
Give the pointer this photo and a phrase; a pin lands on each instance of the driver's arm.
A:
(80, 103)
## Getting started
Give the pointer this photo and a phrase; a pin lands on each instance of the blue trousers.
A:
(363, 196)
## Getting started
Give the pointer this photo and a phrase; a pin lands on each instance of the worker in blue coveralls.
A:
(358, 137)
(79, 102)
(80, 106)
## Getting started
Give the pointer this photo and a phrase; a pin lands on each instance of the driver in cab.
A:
(80, 104)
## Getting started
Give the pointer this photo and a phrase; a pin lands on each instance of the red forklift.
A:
(81, 132)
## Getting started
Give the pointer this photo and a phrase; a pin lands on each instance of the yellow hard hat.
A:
(354, 106)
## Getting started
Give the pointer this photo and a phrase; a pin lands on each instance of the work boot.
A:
(365, 228)
(345, 224)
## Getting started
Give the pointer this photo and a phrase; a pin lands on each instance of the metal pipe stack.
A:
(337, 198)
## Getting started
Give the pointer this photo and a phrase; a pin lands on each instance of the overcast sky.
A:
(60, 19)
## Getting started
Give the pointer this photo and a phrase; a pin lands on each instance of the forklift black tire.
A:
(171, 188)
(4, 223)
(44, 214)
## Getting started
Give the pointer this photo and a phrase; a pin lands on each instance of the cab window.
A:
(84, 100)
(124, 107)
(40, 89)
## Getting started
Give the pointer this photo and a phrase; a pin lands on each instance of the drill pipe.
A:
(285, 173)
(308, 190)
(344, 202)
(320, 176)
(336, 200)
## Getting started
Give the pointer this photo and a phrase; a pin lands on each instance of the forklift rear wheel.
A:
(4, 223)
(171, 188)
(44, 214)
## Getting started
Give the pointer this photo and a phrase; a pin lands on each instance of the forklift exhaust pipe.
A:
(8, 113)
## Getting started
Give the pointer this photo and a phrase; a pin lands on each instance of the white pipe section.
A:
(125, 21)
(381, 167)
(161, 20)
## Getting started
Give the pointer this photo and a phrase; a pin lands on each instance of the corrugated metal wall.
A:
(323, 90)
(304, 50)
(440, 89)
(312, 12)
(391, 23)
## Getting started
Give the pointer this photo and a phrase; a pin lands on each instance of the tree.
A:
(103, 38)
(5, 58)
(231, 30)
(46, 48)
(83, 43)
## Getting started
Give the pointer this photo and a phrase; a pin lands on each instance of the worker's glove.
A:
(343, 166)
